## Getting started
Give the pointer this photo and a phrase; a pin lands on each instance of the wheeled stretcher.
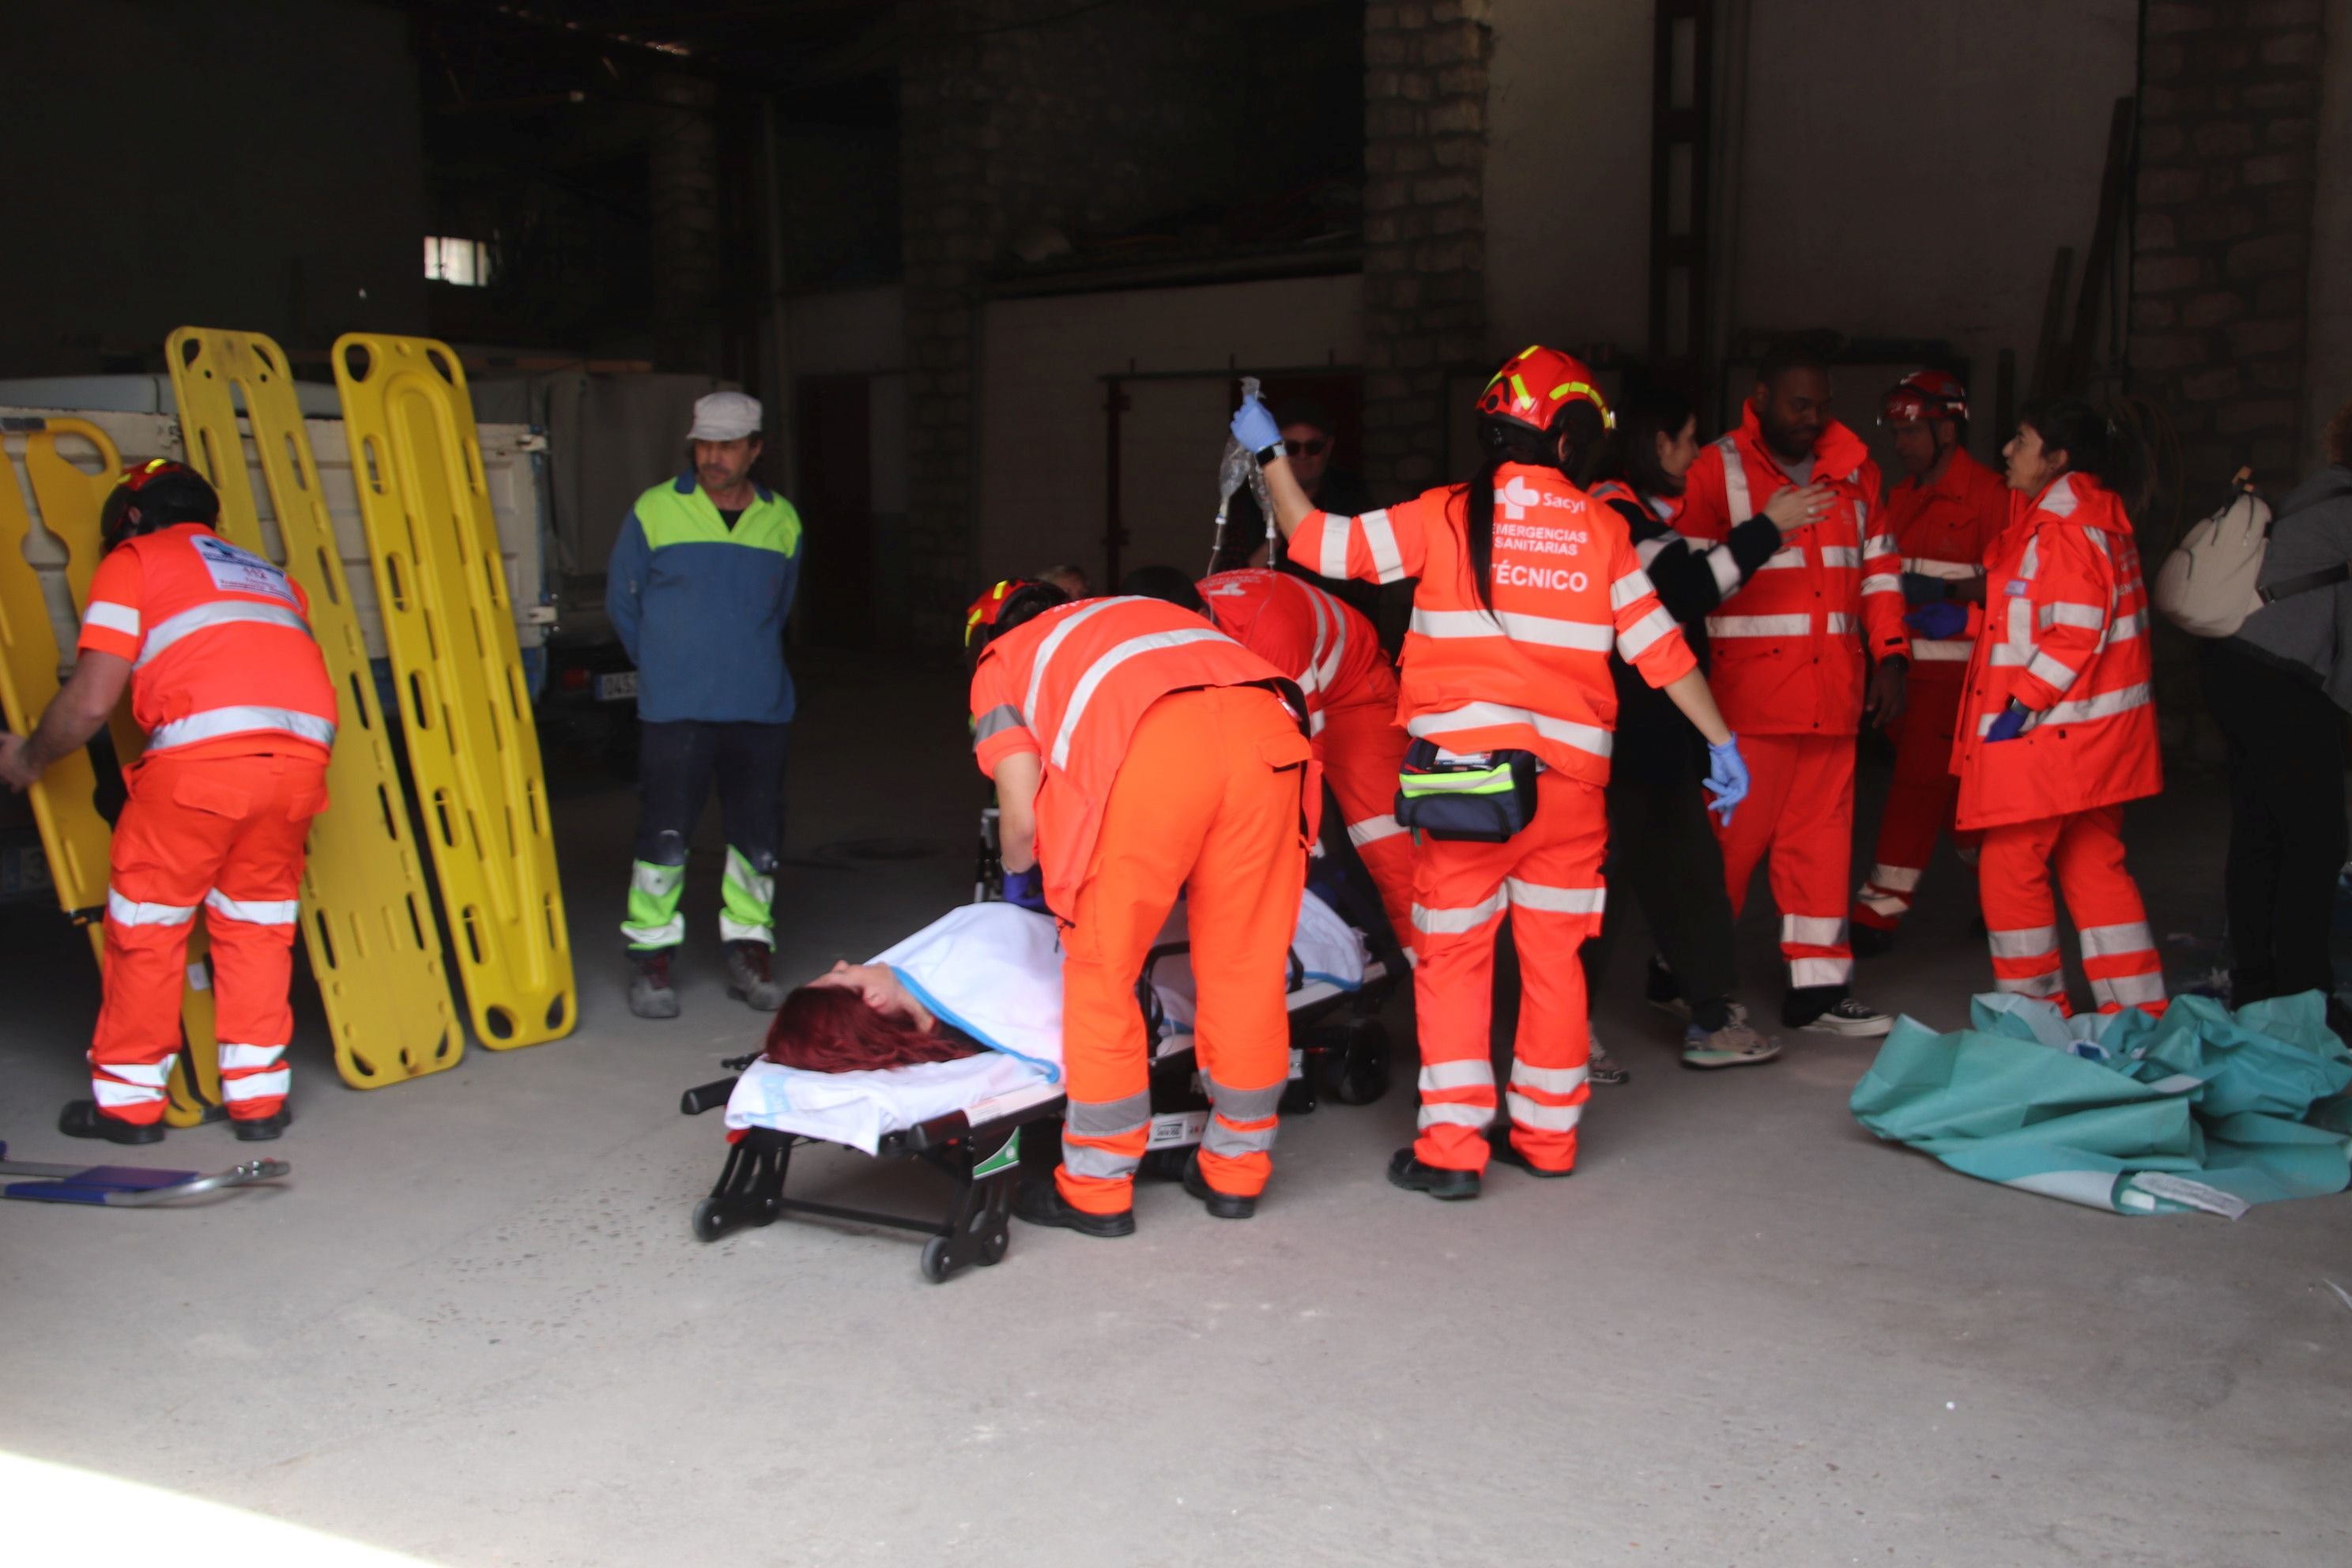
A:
(1339, 1050)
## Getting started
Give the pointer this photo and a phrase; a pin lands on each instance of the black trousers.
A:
(2287, 835)
(1662, 852)
(676, 764)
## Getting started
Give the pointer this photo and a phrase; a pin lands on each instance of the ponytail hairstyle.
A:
(1579, 425)
(2111, 444)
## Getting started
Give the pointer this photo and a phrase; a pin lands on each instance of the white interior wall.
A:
(2328, 366)
(1044, 434)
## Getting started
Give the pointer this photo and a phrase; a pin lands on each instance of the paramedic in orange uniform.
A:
(1139, 755)
(2059, 729)
(1789, 651)
(1333, 654)
(226, 681)
(1526, 586)
(1944, 517)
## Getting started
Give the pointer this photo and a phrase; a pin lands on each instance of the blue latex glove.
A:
(1727, 775)
(1253, 426)
(1026, 888)
(1918, 588)
(2006, 723)
(1939, 621)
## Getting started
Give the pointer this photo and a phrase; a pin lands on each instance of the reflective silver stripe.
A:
(113, 617)
(1388, 561)
(2123, 628)
(1453, 922)
(1228, 1141)
(1331, 637)
(1631, 588)
(250, 1055)
(146, 1075)
(2089, 617)
(1094, 1161)
(1475, 1073)
(1893, 879)
(732, 930)
(1052, 645)
(2106, 941)
(1804, 972)
(1556, 900)
(656, 881)
(220, 613)
(1492, 715)
(1244, 1104)
(1647, 551)
(217, 721)
(1847, 555)
(1110, 1118)
(1758, 626)
(1372, 830)
(1882, 582)
(2106, 705)
(2128, 990)
(2098, 537)
(2043, 986)
(1548, 1080)
(1589, 636)
(257, 1085)
(1643, 634)
(1724, 569)
(1861, 504)
(1735, 482)
(995, 721)
(1446, 1113)
(2030, 941)
(1877, 546)
(1814, 931)
(1314, 722)
(1331, 547)
(1948, 650)
(131, 912)
(1839, 623)
(254, 912)
(114, 1096)
(2030, 561)
(1788, 557)
(1091, 682)
(1541, 1117)
(669, 934)
(2042, 666)
(1891, 905)
(1951, 571)
(2009, 654)
(2059, 499)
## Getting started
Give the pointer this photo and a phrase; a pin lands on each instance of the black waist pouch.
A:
(1481, 797)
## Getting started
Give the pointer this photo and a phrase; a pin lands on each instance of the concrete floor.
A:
(473, 1327)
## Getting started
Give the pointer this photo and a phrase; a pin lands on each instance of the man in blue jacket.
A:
(702, 577)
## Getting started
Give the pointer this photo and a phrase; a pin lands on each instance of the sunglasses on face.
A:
(1314, 448)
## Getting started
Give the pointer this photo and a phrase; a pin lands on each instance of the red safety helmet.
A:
(991, 604)
(154, 495)
(1536, 383)
(1925, 395)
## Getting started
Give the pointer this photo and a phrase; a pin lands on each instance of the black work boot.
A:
(651, 994)
(1410, 1174)
(83, 1119)
(1500, 1140)
(262, 1129)
(1040, 1201)
(748, 979)
(1222, 1206)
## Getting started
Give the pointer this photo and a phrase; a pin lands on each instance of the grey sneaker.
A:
(1601, 1066)
(747, 977)
(1856, 1020)
(1736, 1044)
(650, 993)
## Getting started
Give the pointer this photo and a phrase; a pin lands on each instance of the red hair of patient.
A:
(831, 1028)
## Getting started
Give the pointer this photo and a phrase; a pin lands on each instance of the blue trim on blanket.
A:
(947, 1015)
(1334, 980)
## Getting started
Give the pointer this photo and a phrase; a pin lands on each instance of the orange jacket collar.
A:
(1837, 451)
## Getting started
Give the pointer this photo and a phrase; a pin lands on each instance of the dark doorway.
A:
(836, 507)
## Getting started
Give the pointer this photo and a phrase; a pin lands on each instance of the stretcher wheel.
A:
(992, 1247)
(935, 1259)
(1357, 1072)
(707, 1224)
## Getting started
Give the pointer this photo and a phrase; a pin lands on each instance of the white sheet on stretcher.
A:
(986, 967)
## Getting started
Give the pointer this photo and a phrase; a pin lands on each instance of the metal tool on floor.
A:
(367, 916)
(125, 1186)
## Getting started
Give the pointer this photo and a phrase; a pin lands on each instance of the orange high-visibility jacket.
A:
(223, 661)
(1072, 685)
(2067, 635)
(1325, 645)
(1788, 648)
(1949, 529)
(1533, 675)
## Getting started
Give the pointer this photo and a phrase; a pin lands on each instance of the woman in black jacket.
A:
(1661, 847)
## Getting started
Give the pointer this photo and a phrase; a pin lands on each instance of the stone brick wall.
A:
(1424, 229)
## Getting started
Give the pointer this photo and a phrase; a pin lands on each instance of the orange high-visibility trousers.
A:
(1549, 878)
(1799, 811)
(224, 834)
(1363, 750)
(1919, 802)
(2086, 852)
(1209, 803)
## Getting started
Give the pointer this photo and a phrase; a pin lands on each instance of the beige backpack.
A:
(2206, 586)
